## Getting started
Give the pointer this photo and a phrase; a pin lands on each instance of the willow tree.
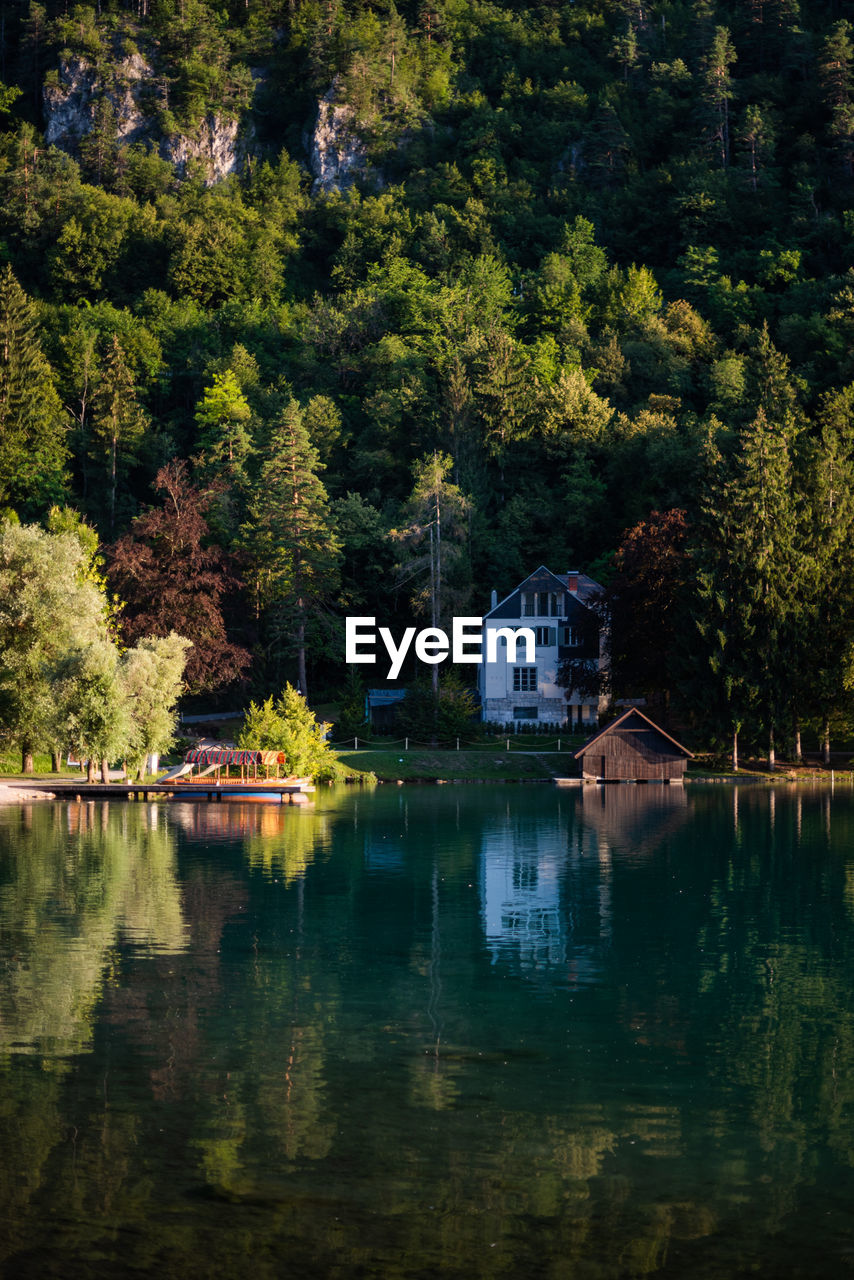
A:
(152, 675)
(93, 704)
(51, 605)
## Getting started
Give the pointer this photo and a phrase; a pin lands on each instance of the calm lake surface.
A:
(417, 1031)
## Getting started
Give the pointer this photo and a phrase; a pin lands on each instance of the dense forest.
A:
(288, 285)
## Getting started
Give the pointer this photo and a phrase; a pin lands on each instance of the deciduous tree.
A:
(169, 577)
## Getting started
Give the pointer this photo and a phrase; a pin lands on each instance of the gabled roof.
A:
(639, 715)
(588, 590)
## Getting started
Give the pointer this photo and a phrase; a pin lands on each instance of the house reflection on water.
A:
(546, 879)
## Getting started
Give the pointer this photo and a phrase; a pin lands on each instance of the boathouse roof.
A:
(633, 748)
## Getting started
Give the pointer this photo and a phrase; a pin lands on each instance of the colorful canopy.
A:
(229, 755)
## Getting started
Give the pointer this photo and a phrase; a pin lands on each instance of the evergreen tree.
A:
(751, 577)
(222, 417)
(756, 140)
(118, 421)
(290, 540)
(716, 93)
(288, 725)
(33, 447)
(434, 539)
(829, 586)
(835, 71)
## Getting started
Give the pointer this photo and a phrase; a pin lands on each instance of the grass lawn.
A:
(428, 763)
(10, 767)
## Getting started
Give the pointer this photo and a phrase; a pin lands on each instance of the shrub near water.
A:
(290, 726)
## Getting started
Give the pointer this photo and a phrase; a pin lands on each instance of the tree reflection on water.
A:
(469, 1031)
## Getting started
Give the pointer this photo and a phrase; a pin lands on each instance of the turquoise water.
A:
(461, 1031)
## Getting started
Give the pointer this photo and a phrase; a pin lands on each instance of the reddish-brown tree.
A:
(169, 578)
(646, 605)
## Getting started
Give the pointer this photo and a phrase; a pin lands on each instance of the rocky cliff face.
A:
(69, 105)
(135, 93)
(337, 154)
(214, 146)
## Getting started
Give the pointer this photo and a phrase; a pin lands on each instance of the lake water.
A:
(418, 1031)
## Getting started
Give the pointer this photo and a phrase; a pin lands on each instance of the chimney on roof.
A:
(572, 581)
(494, 600)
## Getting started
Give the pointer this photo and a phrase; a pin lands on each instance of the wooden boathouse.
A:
(632, 748)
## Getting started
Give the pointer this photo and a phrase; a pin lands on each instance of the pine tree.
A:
(222, 417)
(118, 422)
(33, 447)
(290, 540)
(835, 71)
(829, 616)
(716, 93)
(750, 577)
(434, 539)
(290, 726)
(756, 141)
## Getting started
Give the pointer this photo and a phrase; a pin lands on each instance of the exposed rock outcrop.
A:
(214, 145)
(135, 94)
(70, 104)
(338, 156)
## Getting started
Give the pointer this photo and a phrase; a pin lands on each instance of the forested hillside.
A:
(320, 266)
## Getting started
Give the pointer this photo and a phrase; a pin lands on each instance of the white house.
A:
(557, 608)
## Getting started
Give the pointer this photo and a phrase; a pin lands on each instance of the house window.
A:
(544, 635)
(571, 636)
(540, 604)
(525, 713)
(524, 679)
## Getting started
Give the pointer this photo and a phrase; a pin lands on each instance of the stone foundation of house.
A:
(538, 711)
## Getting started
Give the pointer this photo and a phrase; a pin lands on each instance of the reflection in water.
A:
(76, 879)
(634, 817)
(481, 1032)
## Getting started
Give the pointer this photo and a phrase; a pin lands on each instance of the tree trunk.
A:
(772, 756)
(91, 775)
(825, 743)
(735, 750)
(113, 469)
(55, 761)
(105, 771)
(27, 762)
(303, 682)
(799, 755)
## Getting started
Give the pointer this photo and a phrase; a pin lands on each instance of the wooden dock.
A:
(293, 793)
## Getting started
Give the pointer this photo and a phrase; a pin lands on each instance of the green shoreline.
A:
(445, 765)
